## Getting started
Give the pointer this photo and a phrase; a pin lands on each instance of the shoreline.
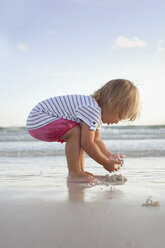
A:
(45, 178)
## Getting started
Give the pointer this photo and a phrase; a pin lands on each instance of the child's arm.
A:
(101, 144)
(93, 150)
(104, 149)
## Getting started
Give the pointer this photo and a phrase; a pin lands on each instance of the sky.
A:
(59, 47)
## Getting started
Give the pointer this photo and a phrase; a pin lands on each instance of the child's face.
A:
(109, 117)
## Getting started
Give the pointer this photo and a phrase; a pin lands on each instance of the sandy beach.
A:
(39, 210)
(40, 215)
(110, 223)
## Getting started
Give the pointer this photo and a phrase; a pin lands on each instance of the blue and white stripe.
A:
(77, 108)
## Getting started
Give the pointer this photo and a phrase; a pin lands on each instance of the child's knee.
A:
(73, 132)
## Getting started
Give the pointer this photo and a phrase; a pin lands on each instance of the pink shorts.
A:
(53, 131)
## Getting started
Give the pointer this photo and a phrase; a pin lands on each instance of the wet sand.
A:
(99, 220)
(56, 215)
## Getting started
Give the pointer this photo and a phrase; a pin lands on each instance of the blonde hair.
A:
(121, 96)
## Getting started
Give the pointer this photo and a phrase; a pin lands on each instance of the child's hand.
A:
(117, 157)
(113, 165)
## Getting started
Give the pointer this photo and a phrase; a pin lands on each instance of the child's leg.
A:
(74, 156)
(82, 158)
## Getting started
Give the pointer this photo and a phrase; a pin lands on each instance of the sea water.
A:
(133, 141)
(26, 163)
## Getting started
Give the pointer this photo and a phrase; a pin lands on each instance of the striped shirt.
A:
(76, 108)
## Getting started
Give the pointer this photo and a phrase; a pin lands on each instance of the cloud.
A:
(123, 41)
(160, 48)
(22, 47)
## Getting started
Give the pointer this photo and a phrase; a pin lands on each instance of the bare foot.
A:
(79, 177)
(90, 174)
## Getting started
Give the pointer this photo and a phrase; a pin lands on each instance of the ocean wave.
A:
(133, 141)
(128, 153)
(107, 132)
(41, 149)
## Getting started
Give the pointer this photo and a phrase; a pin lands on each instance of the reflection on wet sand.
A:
(92, 193)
